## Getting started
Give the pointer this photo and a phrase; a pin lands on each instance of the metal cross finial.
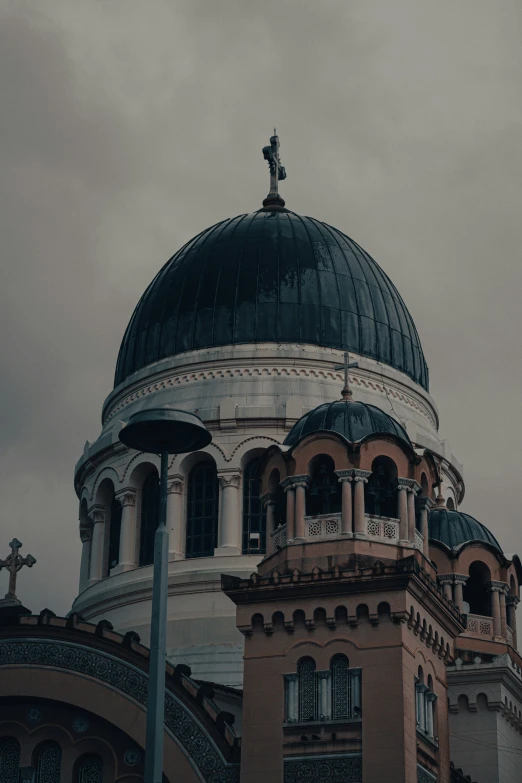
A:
(346, 392)
(14, 563)
(277, 172)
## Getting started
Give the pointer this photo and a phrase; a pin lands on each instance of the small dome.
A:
(453, 528)
(353, 420)
(272, 277)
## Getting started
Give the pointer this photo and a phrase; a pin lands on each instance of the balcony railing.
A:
(279, 537)
(324, 526)
(382, 529)
(480, 626)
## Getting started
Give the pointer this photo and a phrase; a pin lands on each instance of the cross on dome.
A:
(277, 172)
(346, 393)
(13, 563)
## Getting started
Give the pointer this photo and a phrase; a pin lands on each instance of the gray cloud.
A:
(128, 126)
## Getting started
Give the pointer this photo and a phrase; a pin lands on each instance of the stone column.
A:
(460, 581)
(175, 516)
(292, 698)
(403, 511)
(512, 601)
(127, 556)
(86, 539)
(495, 606)
(300, 483)
(229, 534)
(431, 699)
(446, 580)
(290, 508)
(268, 501)
(345, 479)
(97, 515)
(503, 612)
(360, 478)
(324, 695)
(425, 504)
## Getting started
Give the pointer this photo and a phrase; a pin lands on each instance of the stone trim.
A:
(345, 768)
(127, 679)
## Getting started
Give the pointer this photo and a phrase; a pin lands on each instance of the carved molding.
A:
(123, 677)
(334, 769)
(182, 379)
(229, 480)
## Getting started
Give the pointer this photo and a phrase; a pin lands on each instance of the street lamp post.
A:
(161, 431)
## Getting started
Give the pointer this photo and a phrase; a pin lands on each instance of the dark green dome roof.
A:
(272, 276)
(353, 420)
(454, 528)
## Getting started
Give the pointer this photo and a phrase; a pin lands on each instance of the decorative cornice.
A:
(176, 379)
(291, 482)
(361, 475)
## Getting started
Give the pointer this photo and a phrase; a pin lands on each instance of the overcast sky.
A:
(127, 126)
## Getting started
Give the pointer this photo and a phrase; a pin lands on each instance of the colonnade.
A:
(93, 534)
(503, 605)
(353, 518)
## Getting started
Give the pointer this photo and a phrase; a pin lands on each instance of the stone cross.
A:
(277, 171)
(346, 392)
(14, 563)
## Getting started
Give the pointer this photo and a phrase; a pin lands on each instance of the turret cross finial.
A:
(277, 172)
(346, 392)
(14, 563)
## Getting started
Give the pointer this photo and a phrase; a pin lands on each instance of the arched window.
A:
(47, 762)
(324, 496)
(89, 769)
(476, 589)
(450, 505)
(114, 533)
(340, 689)
(149, 517)
(254, 516)
(9, 760)
(380, 493)
(202, 510)
(307, 690)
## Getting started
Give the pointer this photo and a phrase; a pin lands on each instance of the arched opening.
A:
(9, 760)
(424, 485)
(380, 493)
(254, 516)
(340, 687)
(149, 517)
(202, 510)
(47, 762)
(88, 769)
(450, 504)
(114, 533)
(476, 589)
(307, 689)
(324, 496)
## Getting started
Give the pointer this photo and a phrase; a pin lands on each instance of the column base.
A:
(91, 582)
(226, 551)
(173, 556)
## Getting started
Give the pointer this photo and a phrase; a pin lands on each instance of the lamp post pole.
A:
(161, 431)
(158, 640)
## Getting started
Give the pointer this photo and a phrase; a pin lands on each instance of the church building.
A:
(333, 616)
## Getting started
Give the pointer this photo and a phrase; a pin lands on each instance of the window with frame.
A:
(202, 510)
(89, 769)
(324, 495)
(333, 694)
(114, 533)
(9, 760)
(425, 705)
(254, 516)
(149, 517)
(48, 762)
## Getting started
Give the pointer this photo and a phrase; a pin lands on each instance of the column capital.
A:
(361, 475)
(175, 484)
(268, 499)
(85, 533)
(446, 578)
(126, 497)
(323, 674)
(229, 479)
(96, 513)
(409, 484)
(512, 600)
(344, 475)
(291, 482)
(425, 503)
(291, 677)
(498, 587)
(460, 578)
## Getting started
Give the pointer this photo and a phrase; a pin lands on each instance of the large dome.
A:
(272, 276)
